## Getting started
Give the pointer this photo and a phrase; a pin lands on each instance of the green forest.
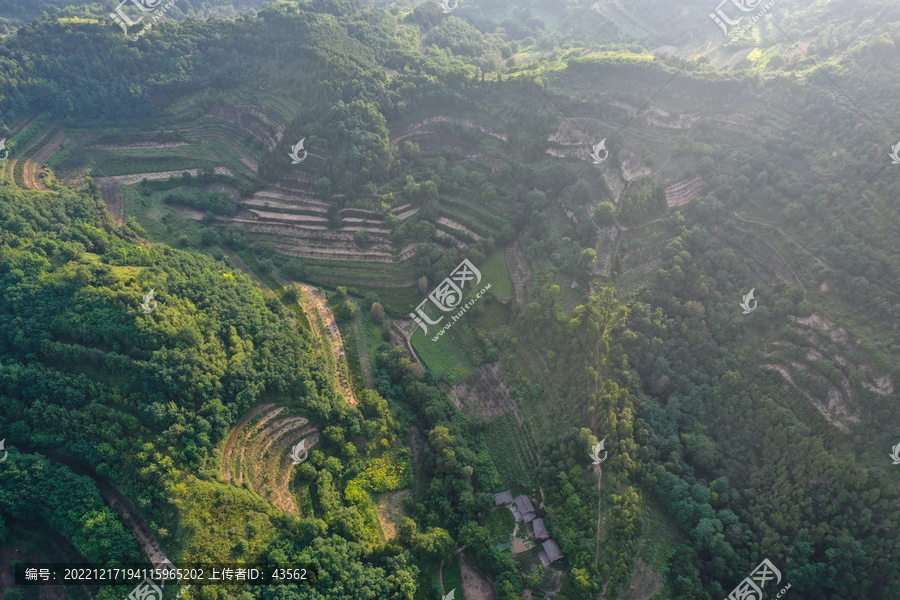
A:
(227, 240)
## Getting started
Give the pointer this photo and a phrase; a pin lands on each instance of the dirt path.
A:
(314, 300)
(20, 179)
(130, 518)
(364, 360)
(401, 335)
(599, 514)
(787, 264)
(240, 264)
(875, 208)
(623, 228)
(112, 195)
(519, 272)
(35, 163)
(795, 242)
(413, 127)
(138, 177)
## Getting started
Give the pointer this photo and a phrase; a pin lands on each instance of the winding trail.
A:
(599, 514)
(779, 230)
(117, 501)
(803, 287)
(363, 350)
(876, 209)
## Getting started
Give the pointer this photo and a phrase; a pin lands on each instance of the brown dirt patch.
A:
(224, 188)
(475, 585)
(253, 119)
(645, 582)
(519, 272)
(633, 165)
(414, 127)
(834, 408)
(232, 437)
(138, 177)
(454, 225)
(484, 392)
(263, 456)
(313, 303)
(188, 212)
(34, 165)
(390, 510)
(113, 198)
(606, 249)
(139, 145)
(683, 191)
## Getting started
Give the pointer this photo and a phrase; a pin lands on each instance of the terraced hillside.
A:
(330, 343)
(257, 452)
(352, 244)
(513, 447)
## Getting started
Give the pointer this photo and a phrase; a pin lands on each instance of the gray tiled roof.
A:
(524, 504)
(540, 530)
(503, 498)
(552, 550)
(545, 560)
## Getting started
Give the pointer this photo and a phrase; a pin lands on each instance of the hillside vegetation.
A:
(754, 161)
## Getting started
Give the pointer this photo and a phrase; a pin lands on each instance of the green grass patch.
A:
(500, 523)
(659, 541)
(452, 578)
(429, 587)
(161, 223)
(371, 329)
(505, 455)
(496, 272)
(447, 357)
(220, 523)
(493, 314)
(351, 351)
(133, 165)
